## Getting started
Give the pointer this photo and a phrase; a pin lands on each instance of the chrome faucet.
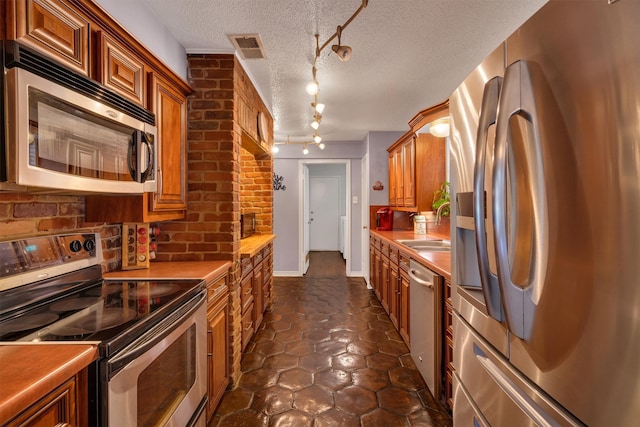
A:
(439, 212)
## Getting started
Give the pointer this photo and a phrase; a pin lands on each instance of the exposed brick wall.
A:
(256, 190)
(216, 167)
(25, 215)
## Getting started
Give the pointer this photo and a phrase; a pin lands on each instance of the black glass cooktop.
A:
(106, 312)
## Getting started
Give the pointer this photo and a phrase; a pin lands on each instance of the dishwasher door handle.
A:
(418, 280)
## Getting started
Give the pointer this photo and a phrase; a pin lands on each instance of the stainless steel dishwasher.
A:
(425, 324)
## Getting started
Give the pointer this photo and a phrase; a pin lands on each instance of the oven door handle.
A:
(154, 335)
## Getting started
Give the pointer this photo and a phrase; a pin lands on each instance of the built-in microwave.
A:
(63, 132)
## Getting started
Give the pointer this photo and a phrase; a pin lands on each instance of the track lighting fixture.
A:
(343, 52)
(305, 144)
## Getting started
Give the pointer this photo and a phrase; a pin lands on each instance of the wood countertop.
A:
(29, 371)
(251, 245)
(440, 262)
(207, 270)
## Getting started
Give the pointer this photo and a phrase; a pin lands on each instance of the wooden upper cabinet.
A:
(393, 185)
(54, 29)
(119, 69)
(409, 172)
(417, 163)
(170, 107)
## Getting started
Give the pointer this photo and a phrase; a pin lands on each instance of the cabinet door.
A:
(384, 279)
(53, 28)
(267, 268)
(258, 297)
(218, 352)
(119, 69)
(404, 315)
(397, 156)
(392, 180)
(394, 294)
(409, 173)
(58, 408)
(170, 108)
(372, 264)
(377, 278)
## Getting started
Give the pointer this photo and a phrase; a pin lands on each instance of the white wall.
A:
(285, 219)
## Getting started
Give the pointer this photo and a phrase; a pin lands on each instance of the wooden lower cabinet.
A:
(394, 294)
(256, 290)
(246, 299)
(217, 341)
(403, 316)
(389, 276)
(66, 405)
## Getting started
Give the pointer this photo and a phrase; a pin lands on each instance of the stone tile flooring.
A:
(327, 354)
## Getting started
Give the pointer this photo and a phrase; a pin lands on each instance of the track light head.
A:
(343, 52)
(312, 88)
(319, 107)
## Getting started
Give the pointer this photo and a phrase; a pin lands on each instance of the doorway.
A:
(323, 204)
(324, 213)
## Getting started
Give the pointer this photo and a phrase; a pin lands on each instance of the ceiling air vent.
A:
(249, 45)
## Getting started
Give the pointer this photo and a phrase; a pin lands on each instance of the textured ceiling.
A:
(407, 54)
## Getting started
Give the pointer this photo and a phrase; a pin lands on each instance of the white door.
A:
(324, 213)
(306, 220)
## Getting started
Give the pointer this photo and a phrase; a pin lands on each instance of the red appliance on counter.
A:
(384, 219)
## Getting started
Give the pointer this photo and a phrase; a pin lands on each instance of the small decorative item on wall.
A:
(378, 186)
(277, 183)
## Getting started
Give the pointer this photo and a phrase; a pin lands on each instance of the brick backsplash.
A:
(24, 215)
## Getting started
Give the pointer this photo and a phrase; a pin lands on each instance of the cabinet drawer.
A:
(403, 261)
(247, 294)
(384, 248)
(393, 255)
(56, 408)
(257, 259)
(246, 266)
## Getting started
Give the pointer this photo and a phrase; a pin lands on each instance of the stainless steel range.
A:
(151, 335)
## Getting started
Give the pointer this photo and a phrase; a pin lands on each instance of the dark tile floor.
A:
(327, 354)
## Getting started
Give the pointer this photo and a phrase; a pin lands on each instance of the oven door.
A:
(160, 379)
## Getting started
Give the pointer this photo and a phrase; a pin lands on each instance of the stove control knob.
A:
(141, 258)
(89, 245)
(75, 246)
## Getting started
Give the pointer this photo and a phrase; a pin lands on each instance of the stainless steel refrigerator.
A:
(545, 172)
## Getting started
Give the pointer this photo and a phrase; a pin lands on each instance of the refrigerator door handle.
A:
(519, 201)
(488, 114)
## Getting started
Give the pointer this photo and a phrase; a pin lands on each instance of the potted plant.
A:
(440, 197)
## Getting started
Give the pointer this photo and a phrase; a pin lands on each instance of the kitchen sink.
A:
(433, 245)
